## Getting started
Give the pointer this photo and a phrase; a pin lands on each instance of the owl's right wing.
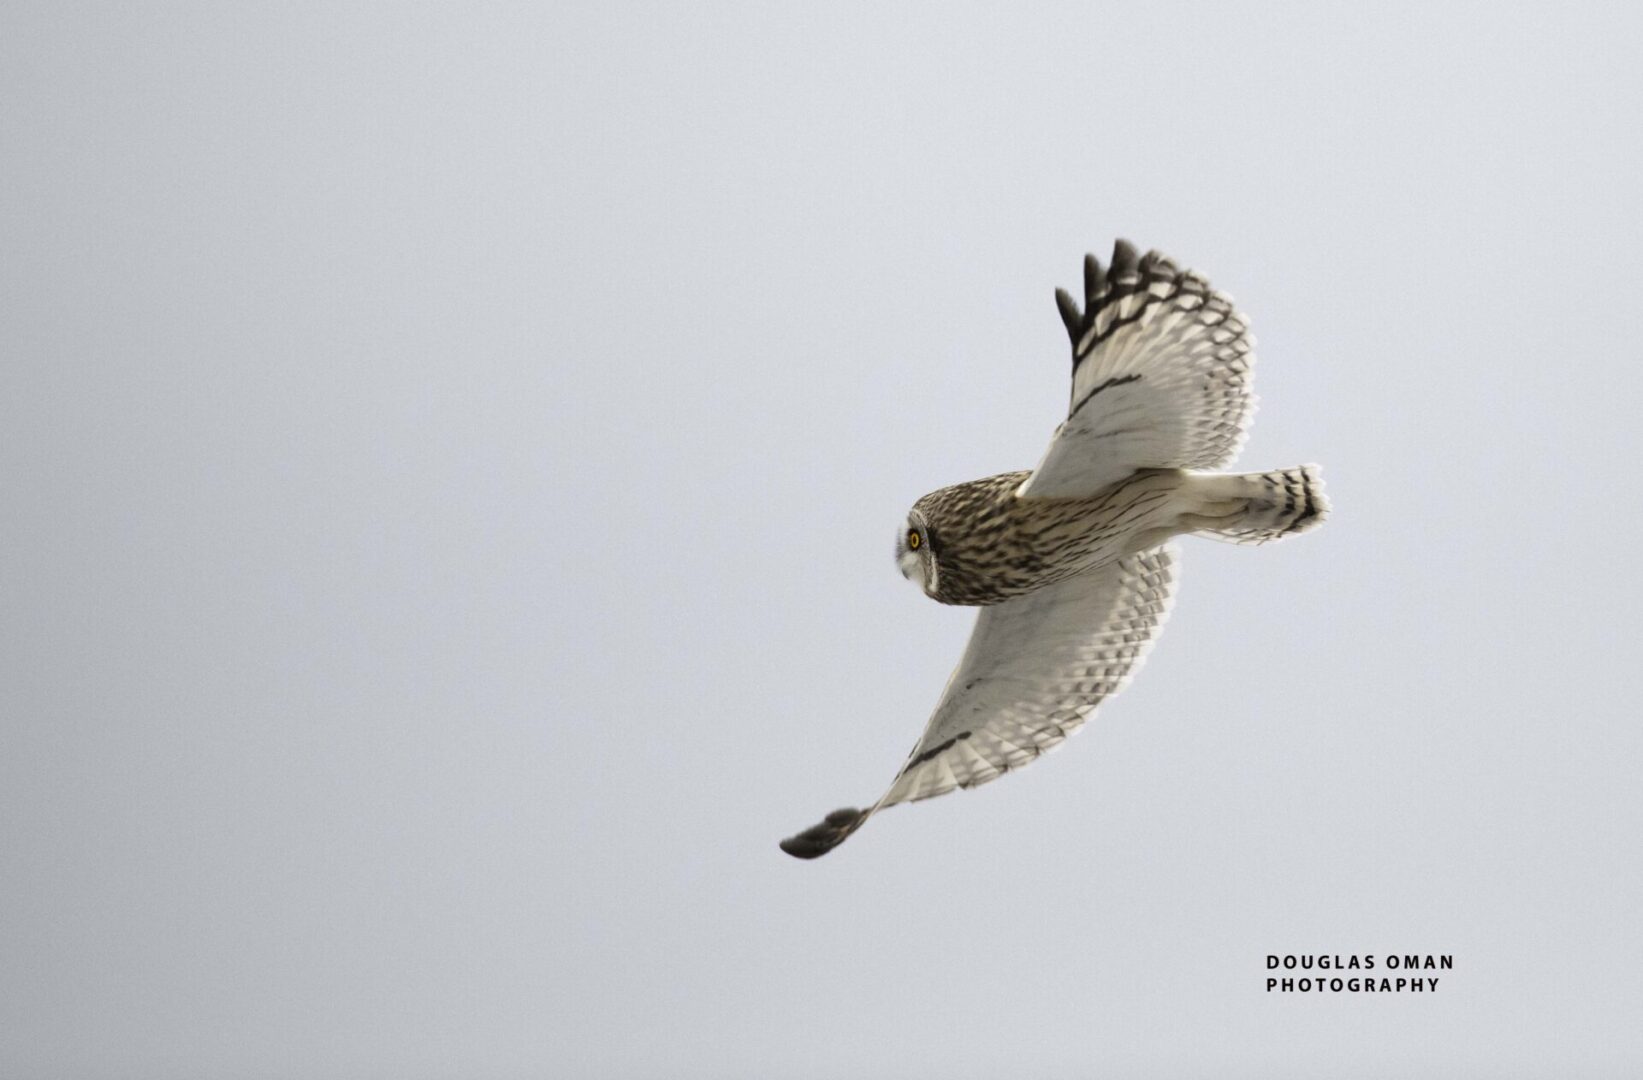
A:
(1162, 369)
(1035, 669)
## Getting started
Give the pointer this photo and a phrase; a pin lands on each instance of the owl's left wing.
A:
(1035, 669)
(1162, 372)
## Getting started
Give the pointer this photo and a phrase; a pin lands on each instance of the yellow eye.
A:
(912, 540)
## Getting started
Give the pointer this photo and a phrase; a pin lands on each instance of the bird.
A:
(1072, 564)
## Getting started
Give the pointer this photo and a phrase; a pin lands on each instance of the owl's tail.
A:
(1255, 508)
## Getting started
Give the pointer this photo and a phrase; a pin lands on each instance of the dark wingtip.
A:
(818, 840)
(1070, 315)
(1094, 278)
(1124, 258)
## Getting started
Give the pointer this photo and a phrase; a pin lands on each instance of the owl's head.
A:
(916, 553)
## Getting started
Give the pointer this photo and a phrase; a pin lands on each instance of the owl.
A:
(1071, 564)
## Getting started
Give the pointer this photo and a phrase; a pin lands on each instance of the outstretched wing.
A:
(1162, 367)
(1035, 669)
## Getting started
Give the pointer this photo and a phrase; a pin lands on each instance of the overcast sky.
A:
(451, 457)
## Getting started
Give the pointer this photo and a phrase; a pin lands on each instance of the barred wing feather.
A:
(1162, 369)
(1035, 669)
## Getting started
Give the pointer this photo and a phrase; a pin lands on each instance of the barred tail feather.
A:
(1256, 508)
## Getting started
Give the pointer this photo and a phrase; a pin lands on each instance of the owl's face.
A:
(915, 554)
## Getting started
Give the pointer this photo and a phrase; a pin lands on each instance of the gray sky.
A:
(450, 463)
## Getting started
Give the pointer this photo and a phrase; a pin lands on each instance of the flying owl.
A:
(1070, 563)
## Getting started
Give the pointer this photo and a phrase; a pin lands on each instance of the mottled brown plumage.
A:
(988, 544)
